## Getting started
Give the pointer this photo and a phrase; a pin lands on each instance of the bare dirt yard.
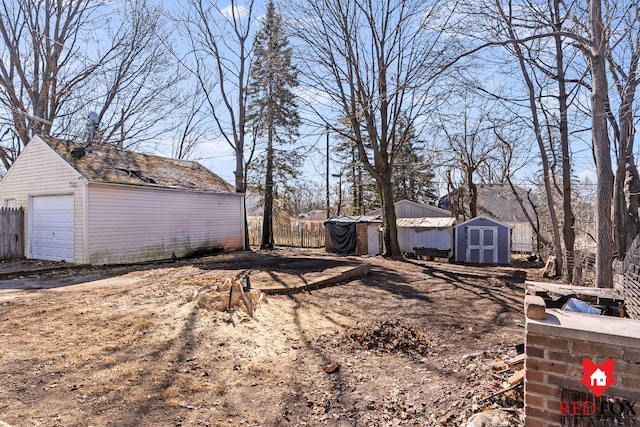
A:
(412, 343)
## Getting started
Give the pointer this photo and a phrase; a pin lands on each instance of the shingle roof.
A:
(106, 163)
(497, 201)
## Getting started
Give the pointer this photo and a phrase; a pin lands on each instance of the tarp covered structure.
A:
(343, 232)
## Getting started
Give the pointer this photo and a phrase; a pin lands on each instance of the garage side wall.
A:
(128, 224)
(40, 172)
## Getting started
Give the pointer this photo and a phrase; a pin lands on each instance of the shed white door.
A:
(52, 228)
(482, 244)
(373, 240)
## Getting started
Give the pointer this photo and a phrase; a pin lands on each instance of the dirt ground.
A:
(412, 343)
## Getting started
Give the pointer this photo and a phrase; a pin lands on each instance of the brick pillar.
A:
(554, 351)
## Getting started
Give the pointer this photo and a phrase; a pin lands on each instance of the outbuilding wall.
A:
(130, 224)
(39, 171)
(521, 237)
(410, 238)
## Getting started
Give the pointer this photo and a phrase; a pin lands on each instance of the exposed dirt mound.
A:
(391, 335)
(228, 296)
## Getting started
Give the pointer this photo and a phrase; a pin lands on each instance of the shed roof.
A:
(354, 219)
(482, 218)
(106, 163)
(419, 209)
(432, 223)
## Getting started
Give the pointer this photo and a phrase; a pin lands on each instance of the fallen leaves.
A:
(390, 335)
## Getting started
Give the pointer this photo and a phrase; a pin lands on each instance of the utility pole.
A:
(339, 206)
(327, 184)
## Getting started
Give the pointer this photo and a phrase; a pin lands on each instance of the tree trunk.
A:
(473, 194)
(267, 218)
(241, 187)
(600, 137)
(568, 232)
(626, 183)
(557, 243)
(535, 226)
(391, 246)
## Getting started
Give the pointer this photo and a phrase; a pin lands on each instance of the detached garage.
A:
(99, 204)
(483, 240)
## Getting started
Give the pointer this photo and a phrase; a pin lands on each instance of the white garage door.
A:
(52, 228)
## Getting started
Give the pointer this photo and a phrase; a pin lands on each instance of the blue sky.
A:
(218, 156)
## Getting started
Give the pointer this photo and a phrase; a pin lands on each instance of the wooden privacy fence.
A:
(11, 233)
(296, 235)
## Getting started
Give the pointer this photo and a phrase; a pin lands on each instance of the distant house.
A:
(483, 240)
(103, 205)
(313, 215)
(497, 201)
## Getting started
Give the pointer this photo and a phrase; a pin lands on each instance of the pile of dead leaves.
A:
(391, 335)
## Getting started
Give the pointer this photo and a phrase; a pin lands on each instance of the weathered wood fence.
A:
(11, 233)
(630, 269)
(295, 235)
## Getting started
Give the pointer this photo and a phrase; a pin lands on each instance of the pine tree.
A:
(412, 174)
(272, 110)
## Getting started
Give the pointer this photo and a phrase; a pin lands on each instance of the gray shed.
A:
(483, 240)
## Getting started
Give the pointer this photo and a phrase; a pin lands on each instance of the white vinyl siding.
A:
(521, 237)
(39, 171)
(131, 224)
(409, 238)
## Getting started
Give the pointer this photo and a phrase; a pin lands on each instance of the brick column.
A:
(554, 351)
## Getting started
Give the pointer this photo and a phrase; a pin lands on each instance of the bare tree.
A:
(623, 57)
(601, 144)
(220, 41)
(190, 129)
(531, 60)
(137, 91)
(378, 62)
(471, 143)
(66, 57)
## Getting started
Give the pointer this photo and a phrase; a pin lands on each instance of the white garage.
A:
(99, 204)
(51, 228)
